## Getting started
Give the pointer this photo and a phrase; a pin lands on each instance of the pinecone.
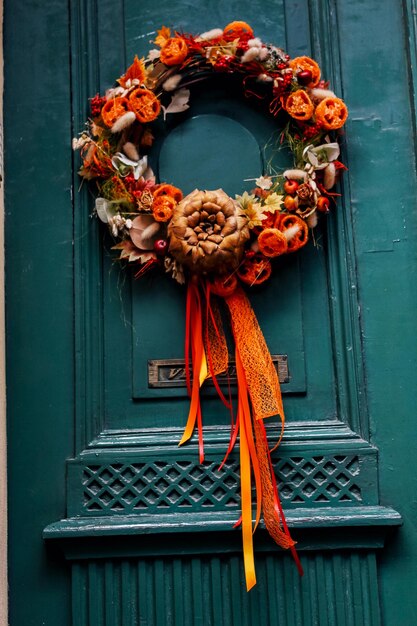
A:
(208, 231)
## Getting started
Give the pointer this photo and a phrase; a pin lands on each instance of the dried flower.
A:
(215, 33)
(272, 203)
(264, 182)
(124, 165)
(207, 232)
(175, 269)
(174, 51)
(136, 72)
(145, 231)
(305, 194)
(123, 122)
(80, 142)
(320, 156)
(172, 82)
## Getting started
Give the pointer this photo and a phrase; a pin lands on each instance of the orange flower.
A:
(300, 64)
(272, 242)
(113, 109)
(237, 29)
(163, 207)
(135, 71)
(174, 51)
(299, 105)
(300, 238)
(168, 190)
(331, 113)
(164, 34)
(145, 104)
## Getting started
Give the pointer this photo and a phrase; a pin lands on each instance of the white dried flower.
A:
(329, 176)
(263, 54)
(79, 142)
(114, 92)
(320, 156)
(320, 94)
(154, 54)
(290, 232)
(250, 55)
(214, 33)
(105, 209)
(295, 174)
(123, 122)
(116, 224)
(255, 43)
(264, 182)
(131, 82)
(172, 82)
(124, 165)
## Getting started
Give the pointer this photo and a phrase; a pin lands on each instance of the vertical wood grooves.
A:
(342, 272)
(410, 25)
(336, 590)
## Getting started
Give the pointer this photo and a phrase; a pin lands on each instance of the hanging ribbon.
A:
(194, 340)
(259, 397)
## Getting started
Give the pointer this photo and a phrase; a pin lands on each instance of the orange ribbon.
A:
(194, 336)
(257, 379)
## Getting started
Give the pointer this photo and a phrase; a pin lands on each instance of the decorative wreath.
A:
(208, 240)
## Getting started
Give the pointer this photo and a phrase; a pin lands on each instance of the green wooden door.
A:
(112, 524)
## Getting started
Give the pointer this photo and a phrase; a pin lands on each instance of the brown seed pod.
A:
(208, 231)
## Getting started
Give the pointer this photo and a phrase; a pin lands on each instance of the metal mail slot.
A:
(163, 373)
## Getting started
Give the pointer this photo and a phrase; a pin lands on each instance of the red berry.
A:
(323, 204)
(290, 203)
(304, 77)
(160, 247)
(290, 186)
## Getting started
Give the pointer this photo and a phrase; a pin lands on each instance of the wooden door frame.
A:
(3, 448)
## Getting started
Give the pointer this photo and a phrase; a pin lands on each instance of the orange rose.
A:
(174, 51)
(162, 208)
(168, 190)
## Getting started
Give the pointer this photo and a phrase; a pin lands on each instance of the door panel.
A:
(293, 309)
(147, 532)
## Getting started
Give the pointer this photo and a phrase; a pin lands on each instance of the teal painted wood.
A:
(111, 399)
(332, 413)
(39, 295)
(337, 590)
(381, 251)
(380, 150)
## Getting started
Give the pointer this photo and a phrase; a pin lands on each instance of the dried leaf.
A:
(130, 252)
(179, 102)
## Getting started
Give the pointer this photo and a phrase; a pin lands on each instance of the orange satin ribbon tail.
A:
(248, 465)
(194, 340)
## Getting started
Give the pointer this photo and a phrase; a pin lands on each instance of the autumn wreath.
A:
(208, 240)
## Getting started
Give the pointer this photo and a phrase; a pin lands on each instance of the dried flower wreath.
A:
(208, 240)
